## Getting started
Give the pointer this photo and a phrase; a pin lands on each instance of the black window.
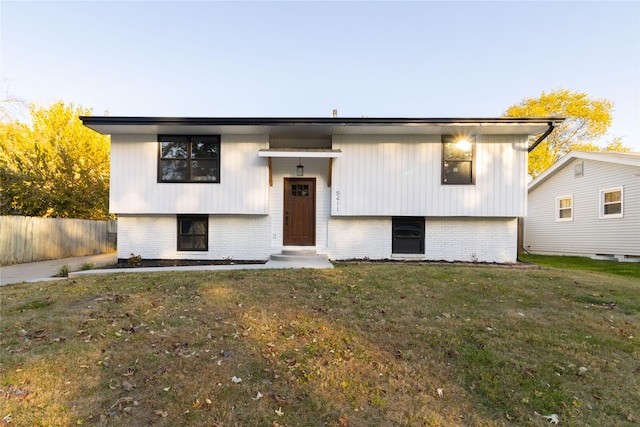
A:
(189, 158)
(458, 159)
(193, 233)
(408, 235)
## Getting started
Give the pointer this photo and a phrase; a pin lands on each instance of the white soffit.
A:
(315, 153)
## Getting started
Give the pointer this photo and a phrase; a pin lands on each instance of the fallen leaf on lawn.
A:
(279, 412)
(440, 392)
(258, 396)
(130, 371)
(163, 414)
(281, 399)
(344, 421)
(167, 388)
(208, 401)
(236, 380)
(553, 418)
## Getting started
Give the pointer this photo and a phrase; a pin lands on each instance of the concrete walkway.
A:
(46, 270)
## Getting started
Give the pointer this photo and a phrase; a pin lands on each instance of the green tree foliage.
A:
(54, 166)
(587, 120)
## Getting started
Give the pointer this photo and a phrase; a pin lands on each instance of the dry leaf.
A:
(236, 380)
(440, 392)
(281, 399)
(344, 421)
(279, 412)
(163, 414)
(127, 385)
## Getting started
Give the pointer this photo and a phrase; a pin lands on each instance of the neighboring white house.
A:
(586, 204)
(349, 188)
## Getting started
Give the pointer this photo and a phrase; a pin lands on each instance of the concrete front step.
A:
(299, 258)
(298, 255)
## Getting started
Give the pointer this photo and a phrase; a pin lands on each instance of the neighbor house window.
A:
(408, 235)
(458, 159)
(193, 233)
(611, 203)
(564, 208)
(189, 158)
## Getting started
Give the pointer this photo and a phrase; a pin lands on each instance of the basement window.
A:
(407, 235)
(193, 233)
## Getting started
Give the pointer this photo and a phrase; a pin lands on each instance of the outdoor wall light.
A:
(299, 168)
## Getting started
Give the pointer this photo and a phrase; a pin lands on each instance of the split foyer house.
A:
(586, 204)
(348, 188)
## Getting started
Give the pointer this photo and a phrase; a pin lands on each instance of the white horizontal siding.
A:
(243, 187)
(587, 234)
(401, 175)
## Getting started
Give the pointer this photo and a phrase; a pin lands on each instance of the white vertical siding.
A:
(587, 234)
(401, 175)
(243, 187)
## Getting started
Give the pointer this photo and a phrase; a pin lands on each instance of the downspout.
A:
(542, 137)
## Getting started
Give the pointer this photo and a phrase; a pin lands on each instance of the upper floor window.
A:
(458, 159)
(611, 203)
(564, 208)
(189, 158)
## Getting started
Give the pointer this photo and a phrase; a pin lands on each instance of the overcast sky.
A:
(303, 59)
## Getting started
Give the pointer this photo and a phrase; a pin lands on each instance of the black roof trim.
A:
(289, 121)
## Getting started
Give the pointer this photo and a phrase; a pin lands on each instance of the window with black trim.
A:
(408, 235)
(458, 159)
(193, 233)
(189, 158)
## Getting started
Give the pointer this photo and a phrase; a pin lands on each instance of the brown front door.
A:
(299, 212)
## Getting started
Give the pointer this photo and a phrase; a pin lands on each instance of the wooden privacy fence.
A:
(29, 239)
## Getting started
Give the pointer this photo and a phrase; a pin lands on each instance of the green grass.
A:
(359, 345)
(626, 269)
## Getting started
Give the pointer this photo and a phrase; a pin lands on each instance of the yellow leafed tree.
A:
(54, 166)
(587, 120)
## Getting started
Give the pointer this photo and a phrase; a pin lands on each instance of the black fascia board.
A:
(289, 121)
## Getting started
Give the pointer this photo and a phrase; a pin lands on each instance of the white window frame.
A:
(601, 203)
(558, 208)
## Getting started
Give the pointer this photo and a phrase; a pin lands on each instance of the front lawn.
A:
(359, 345)
(627, 269)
